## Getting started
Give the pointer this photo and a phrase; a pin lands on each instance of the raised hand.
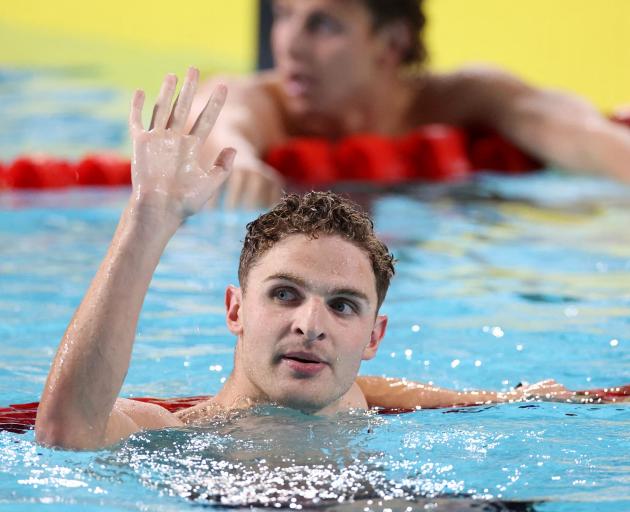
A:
(167, 177)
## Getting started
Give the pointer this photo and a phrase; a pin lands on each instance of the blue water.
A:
(499, 281)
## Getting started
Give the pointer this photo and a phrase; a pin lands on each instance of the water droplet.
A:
(497, 332)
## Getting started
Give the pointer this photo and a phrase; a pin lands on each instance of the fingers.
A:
(181, 109)
(209, 114)
(162, 108)
(225, 160)
(222, 167)
(135, 114)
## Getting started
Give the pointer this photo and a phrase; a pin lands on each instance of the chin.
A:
(301, 106)
(309, 404)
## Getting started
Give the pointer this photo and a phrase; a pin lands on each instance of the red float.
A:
(304, 160)
(20, 418)
(435, 153)
(102, 170)
(369, 158)
(27, 172)
(494, 153)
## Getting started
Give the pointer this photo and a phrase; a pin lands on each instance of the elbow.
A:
(50, 435)
(56, 433)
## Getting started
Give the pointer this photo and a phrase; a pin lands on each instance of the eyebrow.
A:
(352, 292)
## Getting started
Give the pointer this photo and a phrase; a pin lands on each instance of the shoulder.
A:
(475, 80)
(474, 74)
(253, 107)
(472, 94)
(199, 413)
(145, 415)
(253, 92)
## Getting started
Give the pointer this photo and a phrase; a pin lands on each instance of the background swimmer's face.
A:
(325, 51)
(306, 321)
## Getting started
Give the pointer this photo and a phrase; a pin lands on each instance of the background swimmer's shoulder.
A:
(252, 107)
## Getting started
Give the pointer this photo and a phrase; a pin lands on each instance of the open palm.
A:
(166, 174)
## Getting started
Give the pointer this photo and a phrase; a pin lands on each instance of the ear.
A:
(233, 301)
(397, 39)
(378, 331)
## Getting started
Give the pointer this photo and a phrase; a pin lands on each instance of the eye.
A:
(343, 307)
(324, 24)
(284, 294)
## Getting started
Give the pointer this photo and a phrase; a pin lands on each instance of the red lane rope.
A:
(33, 172)
(20, 418)
(429, 153)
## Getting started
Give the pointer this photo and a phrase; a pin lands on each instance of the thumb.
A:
(223, 164)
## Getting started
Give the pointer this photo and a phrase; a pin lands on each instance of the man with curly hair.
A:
(343, 67)
(312, 275)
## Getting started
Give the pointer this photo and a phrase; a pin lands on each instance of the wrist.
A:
(151, 218)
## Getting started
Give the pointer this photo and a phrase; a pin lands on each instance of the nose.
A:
(297, 43)
(310, 320)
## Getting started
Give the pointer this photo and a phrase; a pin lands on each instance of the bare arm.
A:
(561, 129)
(250, 123)
(79, 407)
(397, 393)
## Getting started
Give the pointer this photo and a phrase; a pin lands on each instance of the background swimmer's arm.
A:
(397, 393)
(79, 407)
(561, 129)
(250, 124)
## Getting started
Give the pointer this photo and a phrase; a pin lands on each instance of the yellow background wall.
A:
(580, 45)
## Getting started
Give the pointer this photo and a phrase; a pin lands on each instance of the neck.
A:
(239, 393)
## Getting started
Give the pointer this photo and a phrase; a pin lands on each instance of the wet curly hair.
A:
(410, 11)
(314, 214)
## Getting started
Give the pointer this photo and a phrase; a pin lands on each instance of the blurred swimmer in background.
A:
(353, 66)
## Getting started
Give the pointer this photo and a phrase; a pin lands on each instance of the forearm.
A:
(607, 150)
(403, 394)
(558, 128)
(94, 354)
(564, 131)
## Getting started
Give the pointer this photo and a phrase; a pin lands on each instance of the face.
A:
(305, 323)
(326, 52)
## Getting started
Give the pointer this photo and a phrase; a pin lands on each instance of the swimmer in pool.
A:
(344, 67)
(312, 277)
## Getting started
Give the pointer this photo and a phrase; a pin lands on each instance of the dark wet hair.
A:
(314, 214)
(410, 11)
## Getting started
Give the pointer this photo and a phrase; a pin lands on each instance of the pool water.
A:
(499, 281)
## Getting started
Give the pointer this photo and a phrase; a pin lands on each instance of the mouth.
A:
(303, 363)
(298, 84)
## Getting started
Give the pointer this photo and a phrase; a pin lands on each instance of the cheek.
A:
(264, 320)
(278, 43)
(353, 344)
(347, 70)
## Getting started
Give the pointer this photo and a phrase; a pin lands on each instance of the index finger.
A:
(135, 114)
(204, 123)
